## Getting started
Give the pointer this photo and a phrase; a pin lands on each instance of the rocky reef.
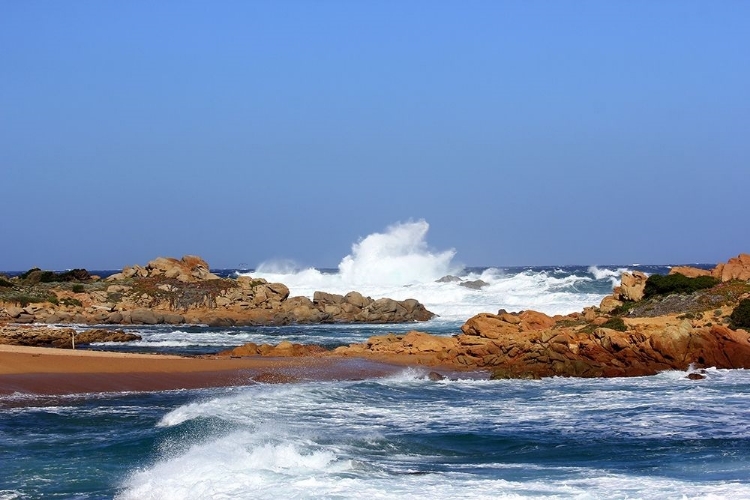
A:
(64, 338)
(692, 318)
(634, 332)
(172, 291)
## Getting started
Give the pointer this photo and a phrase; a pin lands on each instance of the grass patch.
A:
(24, 300)
(69, 301)
(615, 324)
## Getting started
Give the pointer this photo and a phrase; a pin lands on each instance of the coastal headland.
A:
(690, 320)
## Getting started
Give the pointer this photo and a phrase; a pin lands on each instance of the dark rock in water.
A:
(435, 376)
(696, 376)
(448, 279)
(220, 322)
(475, 284)
(60, 337)
(103, 335)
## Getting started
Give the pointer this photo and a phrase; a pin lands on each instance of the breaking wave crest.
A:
(398, 263)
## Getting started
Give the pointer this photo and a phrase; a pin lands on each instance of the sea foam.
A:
(400, 437)
(399, 264)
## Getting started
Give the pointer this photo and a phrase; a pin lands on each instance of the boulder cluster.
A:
(172, 291)
(188, 269)
(592, 343)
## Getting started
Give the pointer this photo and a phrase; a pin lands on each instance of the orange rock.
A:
(632, 286)
(737, 268)
(690, 272)
(534, 320)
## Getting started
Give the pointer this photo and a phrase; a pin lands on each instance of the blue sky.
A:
(525, 133)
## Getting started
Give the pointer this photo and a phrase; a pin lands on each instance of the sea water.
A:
(400, 436)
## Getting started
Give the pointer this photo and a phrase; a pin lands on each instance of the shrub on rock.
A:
(740, 317)
(658, 284)
(615, 324)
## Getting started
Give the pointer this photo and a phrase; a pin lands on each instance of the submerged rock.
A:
(474, 285)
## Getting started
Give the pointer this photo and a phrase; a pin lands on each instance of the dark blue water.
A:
(652, 437)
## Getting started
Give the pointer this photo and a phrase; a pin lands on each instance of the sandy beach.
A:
(37, 370)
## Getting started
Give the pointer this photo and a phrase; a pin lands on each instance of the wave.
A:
(399, 264)
(364, 438)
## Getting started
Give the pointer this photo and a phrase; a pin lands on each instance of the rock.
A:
(534, 320)
(323, 298)
(695, 376)
(102, 335)
(589, 314)
(474, 285)
(357, 299)
(173, 319)
(609, 304)
(114, 318)
(60, 337)
(37, 336)
(690, 272)
(189, 268)
(24, 318)
(219, 321)
(737, 268)
(435, 376)
(146, 317)
(13, 312)
(632, 286)
(448, 279)
(283, 349)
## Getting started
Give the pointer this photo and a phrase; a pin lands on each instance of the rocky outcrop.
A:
(188, 269)
(737, 268)
(60, 337)
(632, 286)
(690, 272)
(514, 346)
(175, 291)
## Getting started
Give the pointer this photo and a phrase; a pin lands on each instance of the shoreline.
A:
(50, 371)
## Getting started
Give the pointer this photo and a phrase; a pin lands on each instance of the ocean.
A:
(399, 436)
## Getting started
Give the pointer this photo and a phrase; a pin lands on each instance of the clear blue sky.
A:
(524, 132)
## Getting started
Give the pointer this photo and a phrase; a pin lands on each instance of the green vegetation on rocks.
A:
(615, 324)
(740, 317)
(658, 284)
(24, 300)
(36, 275)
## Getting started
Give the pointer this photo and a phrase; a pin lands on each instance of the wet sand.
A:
(38, 370)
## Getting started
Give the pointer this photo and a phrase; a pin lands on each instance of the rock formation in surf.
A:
(173, 291)
(635, 332)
